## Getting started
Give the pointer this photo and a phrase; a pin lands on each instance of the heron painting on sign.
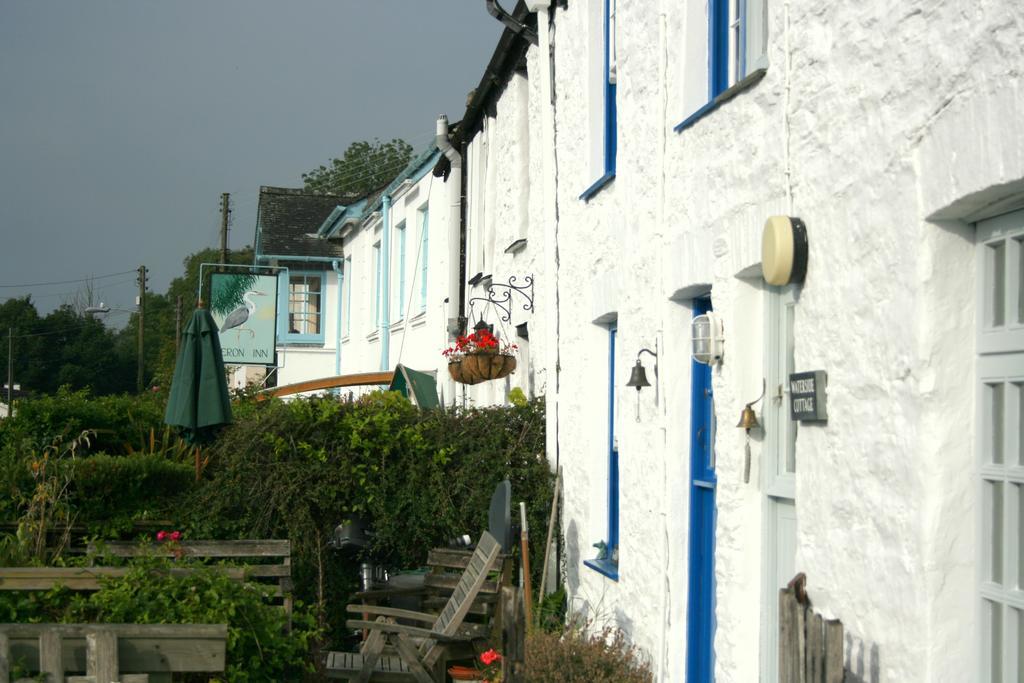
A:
(244, 307)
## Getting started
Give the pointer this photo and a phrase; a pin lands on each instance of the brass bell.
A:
(638, 378)
(748, 418)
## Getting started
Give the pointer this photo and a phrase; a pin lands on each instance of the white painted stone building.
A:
(368, 282)
(893, 132)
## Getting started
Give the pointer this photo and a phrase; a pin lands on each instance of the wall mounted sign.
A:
(807, 395)
(244, 306)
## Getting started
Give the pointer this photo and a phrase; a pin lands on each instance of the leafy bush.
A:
(296, 470)
(118, 422)
(110, 492)
(603, 657)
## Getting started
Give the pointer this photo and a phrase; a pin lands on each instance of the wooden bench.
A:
(273, 565)
(127, 653)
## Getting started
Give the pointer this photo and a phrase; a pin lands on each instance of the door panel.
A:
(701, 601)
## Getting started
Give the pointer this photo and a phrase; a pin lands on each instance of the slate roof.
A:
(288, 219)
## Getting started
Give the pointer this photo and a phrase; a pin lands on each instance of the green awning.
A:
(418, 387)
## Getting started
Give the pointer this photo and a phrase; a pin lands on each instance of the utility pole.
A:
(177, 326)
(10, 372)
(225, 211)
(139, 381)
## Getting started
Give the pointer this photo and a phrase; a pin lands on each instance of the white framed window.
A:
(305, 306)
(1000, 445)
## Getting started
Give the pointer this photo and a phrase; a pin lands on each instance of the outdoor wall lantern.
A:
(784, 250)
(638, 378)
(708, 338)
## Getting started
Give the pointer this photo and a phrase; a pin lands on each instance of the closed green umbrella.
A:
(198, 402)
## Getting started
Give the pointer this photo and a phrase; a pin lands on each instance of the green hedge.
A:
(120, 424)
(112, 491)
(295, 470)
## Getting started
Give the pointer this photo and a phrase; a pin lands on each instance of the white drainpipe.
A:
(454, 223)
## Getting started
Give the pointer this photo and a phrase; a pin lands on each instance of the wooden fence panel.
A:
(810, 647)
(154, 649)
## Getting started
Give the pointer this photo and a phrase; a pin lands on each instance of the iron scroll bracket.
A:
(503, 299)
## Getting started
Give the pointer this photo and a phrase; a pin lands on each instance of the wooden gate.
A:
(810, 648)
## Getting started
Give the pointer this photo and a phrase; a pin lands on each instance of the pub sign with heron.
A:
(244, 306)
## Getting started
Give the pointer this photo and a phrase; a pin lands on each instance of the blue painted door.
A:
(700, 612)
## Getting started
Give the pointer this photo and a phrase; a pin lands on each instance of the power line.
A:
(78, 328)
(68, 282)
(67, 293)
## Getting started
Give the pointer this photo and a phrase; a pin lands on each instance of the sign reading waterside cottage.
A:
(807, 395)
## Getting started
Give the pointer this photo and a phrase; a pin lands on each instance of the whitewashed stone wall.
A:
(888, 129)
(505, 204)
(424, 329)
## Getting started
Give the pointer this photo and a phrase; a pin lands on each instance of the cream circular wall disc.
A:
(777, 250)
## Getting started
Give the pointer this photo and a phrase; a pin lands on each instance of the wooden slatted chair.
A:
(414, 660)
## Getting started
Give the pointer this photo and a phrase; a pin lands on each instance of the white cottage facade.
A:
(627, 157)
(367, 284)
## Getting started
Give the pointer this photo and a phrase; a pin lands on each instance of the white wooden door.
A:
(1000, 433)
(778, 472)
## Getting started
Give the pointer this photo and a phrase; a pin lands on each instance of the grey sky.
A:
(122, 121)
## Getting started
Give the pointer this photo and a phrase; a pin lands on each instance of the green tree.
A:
(363, 168)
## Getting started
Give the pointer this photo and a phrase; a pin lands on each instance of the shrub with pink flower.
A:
(491, 669)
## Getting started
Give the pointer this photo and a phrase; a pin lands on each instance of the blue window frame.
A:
(377, 284)
(424, 255)
(401, 269)
(347, 319)
(737, 35)
(723, 45)
(610, 566)
(609, 78)
(301, 317)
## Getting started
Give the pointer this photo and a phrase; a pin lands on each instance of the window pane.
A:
(994, 529)
(1020, 280)
(996, 641)
(996, 285)
(1019, 427)
(1019, 621)
(1019, 533)
(996, 413)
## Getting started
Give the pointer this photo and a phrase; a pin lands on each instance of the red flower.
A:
(161, 535)
(490, 657)
(175, 535)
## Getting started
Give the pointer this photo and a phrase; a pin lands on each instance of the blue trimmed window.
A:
(348, 282)
(303, 311)
(603, 110)
(736, 40)
(400, 234)
(609, 565)
(424, 254)
(377, 284)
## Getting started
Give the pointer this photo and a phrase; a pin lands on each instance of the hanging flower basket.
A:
(474, 368)
(479, 357)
